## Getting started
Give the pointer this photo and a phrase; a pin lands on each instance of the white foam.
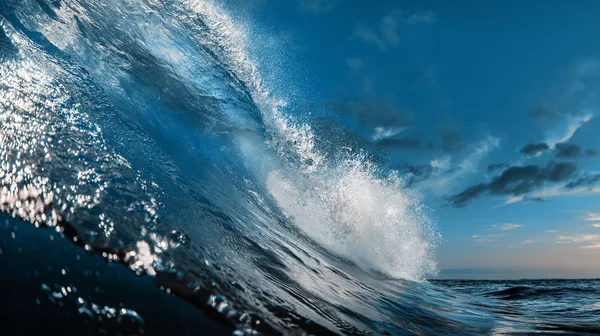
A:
(342, 205)
(368, 220)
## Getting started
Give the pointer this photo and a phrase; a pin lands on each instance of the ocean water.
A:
(157, 178)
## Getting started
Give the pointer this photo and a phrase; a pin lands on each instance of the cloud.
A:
(533, 149)
(585, 181)
(588, 67)
(354, 63)
(442, 164)
(386, 132)
(318, 6)
(591, 241)
(571, 151)
(496, 166)
(386, 34)
(469, 164)
(389, 29)
(367, 34)
(423, 17)
(574, 123)
(517, 181)
(485, 238)
(592, 216)
(543, 112)
(506, 226)
(582, 72)
(527, 242)
(560, 191)
(578, 239)
(552, 231)
(567, 150)
(406, 143)
(412, 174)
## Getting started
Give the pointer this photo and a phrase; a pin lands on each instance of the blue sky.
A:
(488, 108)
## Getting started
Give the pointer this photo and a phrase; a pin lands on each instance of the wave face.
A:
(144, 130)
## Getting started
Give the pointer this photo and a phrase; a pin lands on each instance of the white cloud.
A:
(552, 231)
(527, 242)
(578, 239)
(597, 225)
(485, 238)
(424, 17)
(442, 164)
(367, 34)
(589, 241)
(554, 192)
(468, 165)
(389, 29)
(506, 226)
(386, 132)
(588, 67)
(387, 33)
(574, 123)
(592, 216)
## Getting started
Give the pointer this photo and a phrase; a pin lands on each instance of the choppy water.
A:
(147, 133)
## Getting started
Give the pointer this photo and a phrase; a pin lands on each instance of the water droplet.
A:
(12, 234)
(178, 238)
(219, 303)
(131, 313)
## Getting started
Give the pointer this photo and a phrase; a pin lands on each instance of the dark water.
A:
(153, 181)
(560, 306)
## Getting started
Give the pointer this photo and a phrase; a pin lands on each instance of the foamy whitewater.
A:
(146, 132)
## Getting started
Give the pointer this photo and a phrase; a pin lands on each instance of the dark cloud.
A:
(415, 173)
(533, 149)
(461, 200)
(517, 180)
(571, 151)
(586, 181)
(567, 150)
(543, 112)
(375, 113)
(405, 143)
(496, 166)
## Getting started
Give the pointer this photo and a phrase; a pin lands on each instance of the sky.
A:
(488, 108)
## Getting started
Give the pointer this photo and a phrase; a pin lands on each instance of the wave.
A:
(146, 131)
(527, 292)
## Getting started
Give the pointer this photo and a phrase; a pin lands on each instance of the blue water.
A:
(152, 134)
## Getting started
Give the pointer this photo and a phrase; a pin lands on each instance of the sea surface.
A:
(159, 177)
